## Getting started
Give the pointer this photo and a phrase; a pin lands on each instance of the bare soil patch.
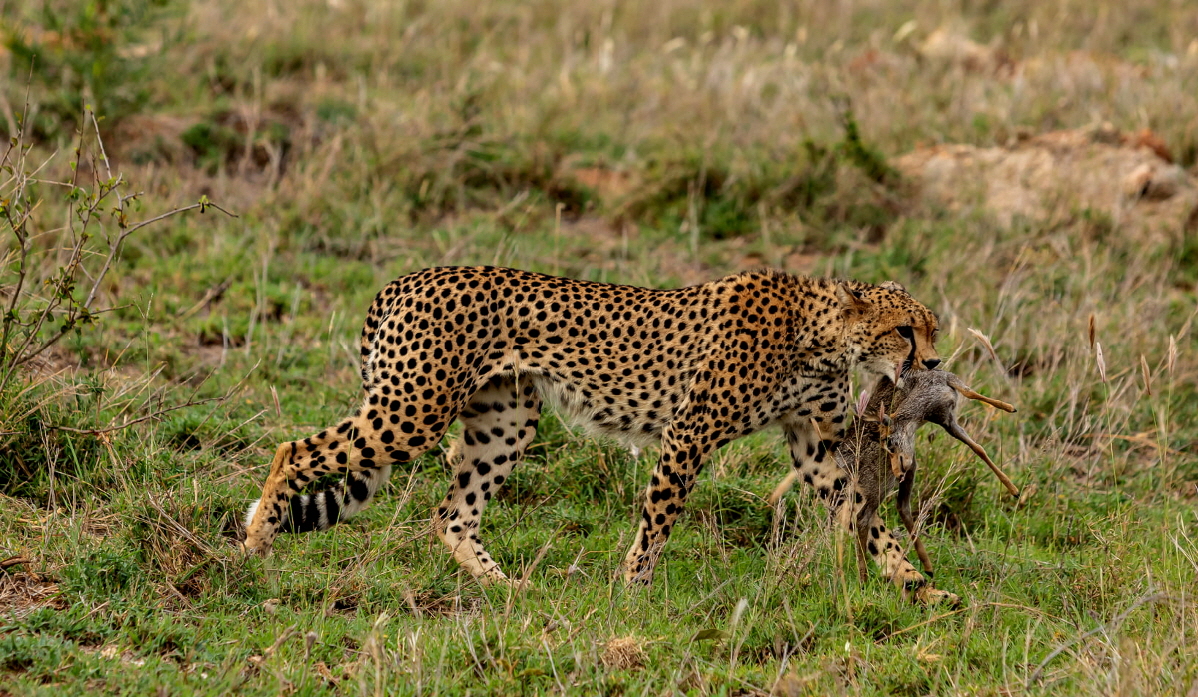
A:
(1128, 177)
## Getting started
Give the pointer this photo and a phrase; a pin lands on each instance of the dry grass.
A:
(623, 653)
(23, 592)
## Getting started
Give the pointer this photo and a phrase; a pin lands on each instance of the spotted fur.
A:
(689, 369)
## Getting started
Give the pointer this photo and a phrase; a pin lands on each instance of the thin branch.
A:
(120, 215)
(116, 247)
(68, 270)
(21, 178)
(100, 142)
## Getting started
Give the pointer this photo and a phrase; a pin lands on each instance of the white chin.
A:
(880, 369)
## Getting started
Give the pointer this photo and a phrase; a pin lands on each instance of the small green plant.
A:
(52, 275)
(861, 155)
(212, 143)
(710, 192)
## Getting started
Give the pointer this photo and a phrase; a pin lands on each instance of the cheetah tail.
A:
(321, 510)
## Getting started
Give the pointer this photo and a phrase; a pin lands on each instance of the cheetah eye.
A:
(906, 332)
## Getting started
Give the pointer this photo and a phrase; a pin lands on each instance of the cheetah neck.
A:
(820, 338)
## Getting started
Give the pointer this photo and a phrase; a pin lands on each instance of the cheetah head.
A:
(890, 331)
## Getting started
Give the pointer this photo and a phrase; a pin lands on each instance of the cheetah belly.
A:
(617, 421)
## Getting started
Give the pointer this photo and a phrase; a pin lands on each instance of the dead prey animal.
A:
(879, 448)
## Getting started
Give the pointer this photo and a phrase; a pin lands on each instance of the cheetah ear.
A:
(893, 285)
(852, 303)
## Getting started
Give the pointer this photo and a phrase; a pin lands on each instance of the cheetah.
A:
(688, 370)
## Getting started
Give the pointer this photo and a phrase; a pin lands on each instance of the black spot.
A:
(331, 508)
(358, 489)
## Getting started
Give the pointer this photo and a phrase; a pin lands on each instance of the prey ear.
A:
(893, 285)
(852, 303)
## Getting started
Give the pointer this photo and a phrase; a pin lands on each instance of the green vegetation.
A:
(654, 144)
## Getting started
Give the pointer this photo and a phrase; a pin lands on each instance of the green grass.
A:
(358, 141)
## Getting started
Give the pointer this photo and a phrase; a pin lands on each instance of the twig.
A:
(537, 561)
(171, 587)
(116, 247)
(210, 295)
(282, 638)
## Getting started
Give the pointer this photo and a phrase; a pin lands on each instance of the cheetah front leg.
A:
(351, 449)
(499, 423)
(889, 555)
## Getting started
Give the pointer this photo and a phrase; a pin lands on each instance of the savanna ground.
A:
(650, 143)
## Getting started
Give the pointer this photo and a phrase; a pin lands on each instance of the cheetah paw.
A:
(494, 578)
(252, 549)
(929, 596)
(641, 579)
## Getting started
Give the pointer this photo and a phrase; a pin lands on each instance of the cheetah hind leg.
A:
(499, 422)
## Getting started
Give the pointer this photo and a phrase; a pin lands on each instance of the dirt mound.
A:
(1057, 176)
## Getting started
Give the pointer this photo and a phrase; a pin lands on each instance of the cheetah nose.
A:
(932, 363)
